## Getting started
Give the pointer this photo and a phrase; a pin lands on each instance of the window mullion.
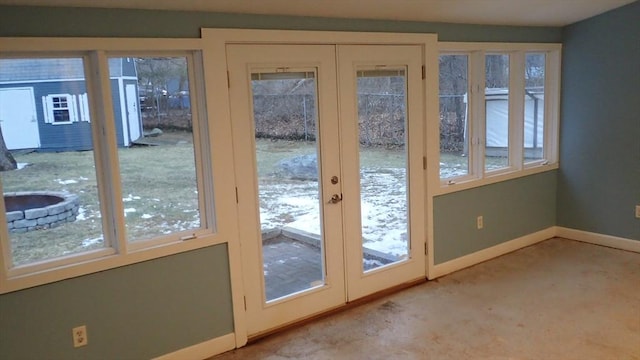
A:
(202, 136)
(552, 106)
(105, 150)
(478, 120)
(516, 111)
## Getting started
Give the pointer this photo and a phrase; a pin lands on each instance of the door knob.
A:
(335, 198)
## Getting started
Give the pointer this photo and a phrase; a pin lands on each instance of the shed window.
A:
(59, 109)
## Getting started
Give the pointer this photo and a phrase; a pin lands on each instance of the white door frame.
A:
(320, 58)
(217, 92)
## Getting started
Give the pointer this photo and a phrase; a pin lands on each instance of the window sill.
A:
(104, 259)
(446, 187)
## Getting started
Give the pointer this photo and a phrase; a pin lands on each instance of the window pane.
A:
(497, 111)
(51, 198)
(454, 128)
(382, 104)
(154, 130)
(534, 107)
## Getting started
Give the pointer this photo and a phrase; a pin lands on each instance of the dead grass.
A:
(158, 189)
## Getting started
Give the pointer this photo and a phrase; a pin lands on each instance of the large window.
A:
(498, 110)
(106, 155)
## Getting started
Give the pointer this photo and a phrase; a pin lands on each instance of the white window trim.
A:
(477, 176)
(213, 158)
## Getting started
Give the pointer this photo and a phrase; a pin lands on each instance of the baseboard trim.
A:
(599, 239)
(492, 252)
(203, 350)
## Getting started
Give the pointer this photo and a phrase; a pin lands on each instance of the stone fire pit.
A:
(35, 210)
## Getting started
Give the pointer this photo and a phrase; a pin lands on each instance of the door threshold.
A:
(338, 309)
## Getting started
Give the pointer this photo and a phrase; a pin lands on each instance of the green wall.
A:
(510, 209)
(138, 311)
(36, 21)
(599, 179)
(160, 306)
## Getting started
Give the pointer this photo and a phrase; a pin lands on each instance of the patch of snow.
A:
(66, 182)
(131, 198)
(146, 216)
(129, 210)
(89, 242)
(22, 165)
(383, 208)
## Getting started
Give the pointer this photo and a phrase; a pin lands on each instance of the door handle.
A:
(335, 198)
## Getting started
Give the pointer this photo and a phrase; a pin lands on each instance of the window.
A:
(51, 200)
(158, 173)
(498, 111)
(496, 97)
(454, 115)
(127, 175)
(534, 113)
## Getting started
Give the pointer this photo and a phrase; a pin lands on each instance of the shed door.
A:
(133, 111)
(18, 118)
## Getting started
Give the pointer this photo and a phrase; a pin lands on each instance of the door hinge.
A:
(426, 249)
(228, 80)
(424, 163)
(237, 198)
(245, 302)
(424, 72)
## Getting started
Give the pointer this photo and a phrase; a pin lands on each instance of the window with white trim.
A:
(498, 110)
(137, 177)
(61, 109)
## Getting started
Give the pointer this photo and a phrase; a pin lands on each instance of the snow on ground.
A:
(131, 198)
(89, 242)
(383, 208)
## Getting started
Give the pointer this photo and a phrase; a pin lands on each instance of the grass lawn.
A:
(158, 189)
(160, 195)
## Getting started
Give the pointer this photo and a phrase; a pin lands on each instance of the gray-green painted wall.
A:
(599, 178)
(510, 209)
(160, 306)
(35, 21)
(132, 312)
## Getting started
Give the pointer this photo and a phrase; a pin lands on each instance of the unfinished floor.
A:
(559, 299)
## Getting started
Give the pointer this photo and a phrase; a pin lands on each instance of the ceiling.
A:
(497, 12)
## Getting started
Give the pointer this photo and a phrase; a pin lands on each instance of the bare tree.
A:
(7, 162)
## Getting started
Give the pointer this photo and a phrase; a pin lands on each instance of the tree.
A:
(7, 162)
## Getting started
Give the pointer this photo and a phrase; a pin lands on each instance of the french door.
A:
(328, 146)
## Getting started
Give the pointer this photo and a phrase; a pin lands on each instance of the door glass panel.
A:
(285, 118)
(383, 166)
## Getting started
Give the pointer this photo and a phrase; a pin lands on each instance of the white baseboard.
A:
(203, 350)
(492, 252)
(599, 239)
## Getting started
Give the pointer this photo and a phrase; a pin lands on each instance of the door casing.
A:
(217, 86)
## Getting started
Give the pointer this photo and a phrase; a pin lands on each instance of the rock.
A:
(302, 167)
(155, 132)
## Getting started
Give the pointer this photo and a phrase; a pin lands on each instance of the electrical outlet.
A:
(79, 336)
(637, 211)
(480, 222)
